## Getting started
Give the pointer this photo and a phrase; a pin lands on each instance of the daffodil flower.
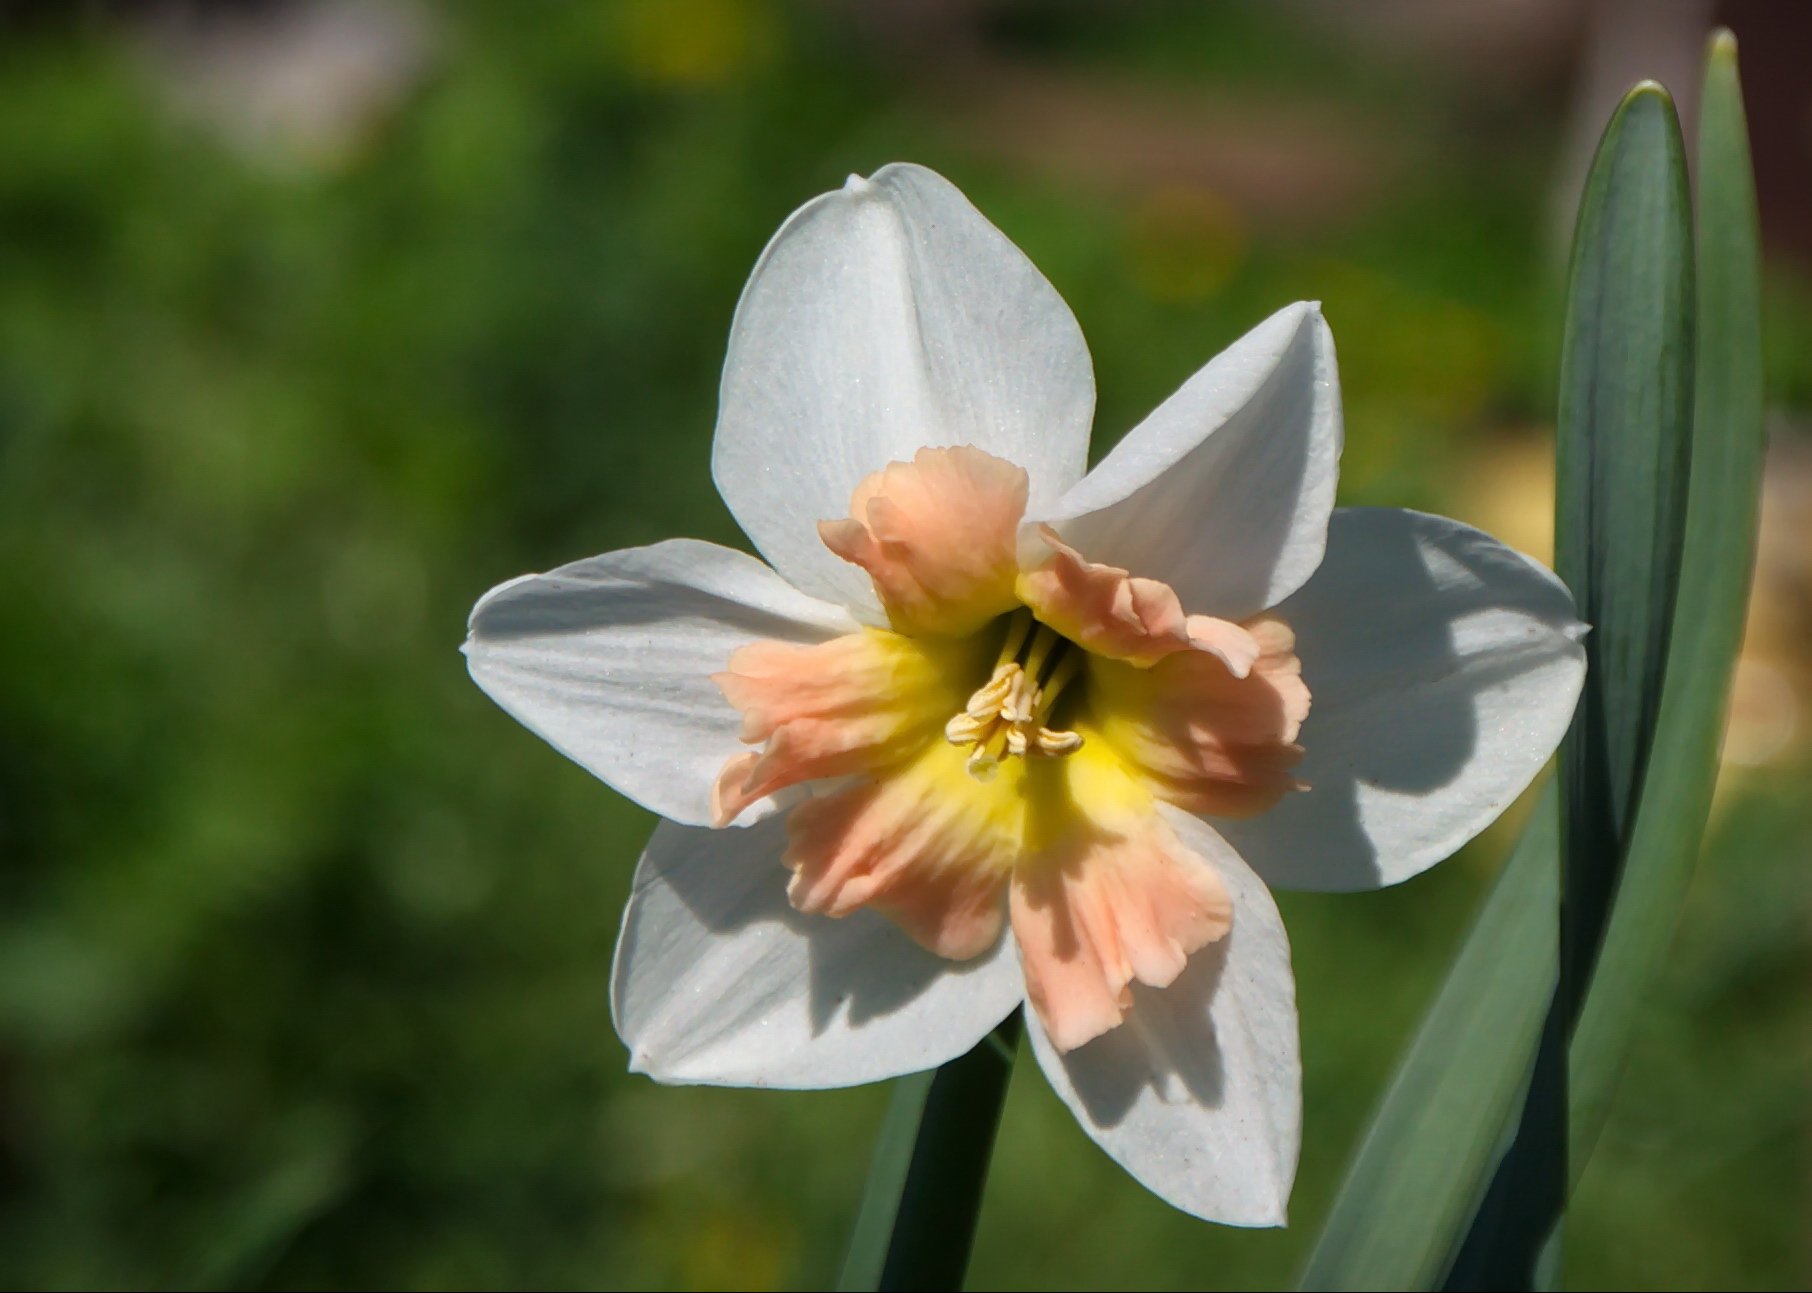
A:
(987, 729)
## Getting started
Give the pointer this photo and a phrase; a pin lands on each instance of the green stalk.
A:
(916, 1226)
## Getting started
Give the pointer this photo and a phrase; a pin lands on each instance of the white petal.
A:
(1442, 670)
(718, 980)
(1199, 1093)
(610, 661)
(1224, 492)
(882, 318)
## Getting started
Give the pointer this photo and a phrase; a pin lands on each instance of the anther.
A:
(1006, 715)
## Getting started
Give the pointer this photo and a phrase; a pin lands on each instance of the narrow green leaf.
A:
(1722, 512)
(1623, 457)
(1514, 1240)
(869, 1237)
(916, 1226)
(1424, 1163)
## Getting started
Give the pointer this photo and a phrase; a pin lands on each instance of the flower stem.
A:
(916, 1225)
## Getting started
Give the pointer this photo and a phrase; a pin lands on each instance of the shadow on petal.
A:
(1176, 1064)
(1433, 656)
(857, 968)
(1327, 636)
(1199, 1093)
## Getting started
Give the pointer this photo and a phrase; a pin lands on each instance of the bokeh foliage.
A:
(303, 945)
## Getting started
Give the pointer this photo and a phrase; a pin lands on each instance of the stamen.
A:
(1069, 664)
(1050, 742)
(966, 727)
(1007, 715)
(1043, 644)
(1021, 700)
(984, 762)
(1017, 628)
(986, 702)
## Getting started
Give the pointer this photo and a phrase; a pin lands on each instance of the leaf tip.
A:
(1722, 45)
(1645, 90)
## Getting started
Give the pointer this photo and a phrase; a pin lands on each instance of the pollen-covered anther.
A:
(1007, 715)
(1050, 742)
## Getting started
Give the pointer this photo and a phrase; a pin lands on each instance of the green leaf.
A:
(1721, 519)
(1424, 1163)
(869, 1237)
(916, 1226)
(1611, 964)
(1623, 457)
(1623, 460)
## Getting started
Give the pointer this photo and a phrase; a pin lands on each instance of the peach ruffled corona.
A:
(1007, 739)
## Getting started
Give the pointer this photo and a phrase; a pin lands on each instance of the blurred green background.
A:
(318, 319)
